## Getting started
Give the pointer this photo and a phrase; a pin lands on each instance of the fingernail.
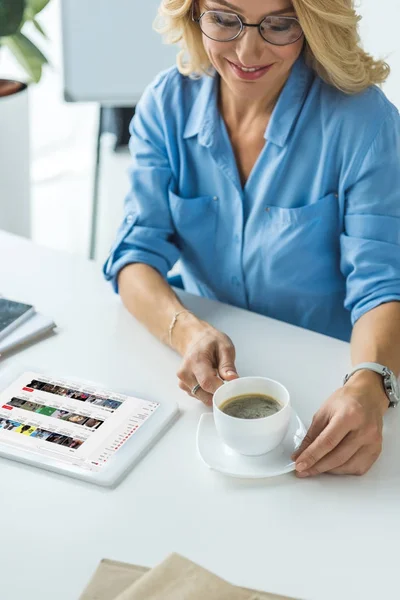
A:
(303, 474)
(301, 467)
(231, 373)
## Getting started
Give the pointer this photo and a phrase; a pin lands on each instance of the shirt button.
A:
(267, 209)
(215, 198)
(235, 281)
(129, 218)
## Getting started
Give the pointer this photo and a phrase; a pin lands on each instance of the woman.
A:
(268, 162)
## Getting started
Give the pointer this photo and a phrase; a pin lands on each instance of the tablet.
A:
(75, 427)
(12, 315)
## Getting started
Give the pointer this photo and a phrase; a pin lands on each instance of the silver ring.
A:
(195, 389)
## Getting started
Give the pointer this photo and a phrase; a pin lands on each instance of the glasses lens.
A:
(280, 30)
(220, 26)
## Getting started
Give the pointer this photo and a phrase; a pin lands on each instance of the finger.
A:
(207, 376)
(199, 395)
(205, 397)
(318, 424)
(189, 381)
(226, 363)
(360, 462)
(343, 452)
(327, 441)
(183, 386)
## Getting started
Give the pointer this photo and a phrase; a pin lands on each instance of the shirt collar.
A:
(204, 111)
(290, 103)
(205, 114)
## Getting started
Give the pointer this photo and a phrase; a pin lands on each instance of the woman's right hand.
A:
(208, 360)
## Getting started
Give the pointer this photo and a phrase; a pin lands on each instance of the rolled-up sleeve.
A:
(370, 243)
(146, 233)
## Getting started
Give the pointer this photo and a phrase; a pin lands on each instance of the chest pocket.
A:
(301, 245)
(195, 222)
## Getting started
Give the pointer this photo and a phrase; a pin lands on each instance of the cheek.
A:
(294, 50)
(216, 51)
(287, 54)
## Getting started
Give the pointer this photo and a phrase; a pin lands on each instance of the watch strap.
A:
(389, 380)
(370, 366)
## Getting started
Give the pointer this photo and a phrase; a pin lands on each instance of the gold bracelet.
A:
(173, 323)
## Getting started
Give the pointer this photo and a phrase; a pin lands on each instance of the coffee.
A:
(250, 406)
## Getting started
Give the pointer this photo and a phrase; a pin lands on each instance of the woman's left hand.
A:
(345, 436)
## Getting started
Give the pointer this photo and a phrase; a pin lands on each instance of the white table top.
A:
(316, 539)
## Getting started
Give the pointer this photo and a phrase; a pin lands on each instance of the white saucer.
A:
(216, 455)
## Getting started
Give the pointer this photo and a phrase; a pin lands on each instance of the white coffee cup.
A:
(252, 437)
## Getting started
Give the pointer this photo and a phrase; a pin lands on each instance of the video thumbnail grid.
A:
(65, 392)
(39, 433)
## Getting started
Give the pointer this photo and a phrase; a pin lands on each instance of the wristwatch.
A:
(389, 379)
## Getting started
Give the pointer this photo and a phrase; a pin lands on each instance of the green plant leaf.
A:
(39, 28)
(27, 54)
(11, 14)
(36, 6)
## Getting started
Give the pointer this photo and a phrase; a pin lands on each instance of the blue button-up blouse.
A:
(313, 237)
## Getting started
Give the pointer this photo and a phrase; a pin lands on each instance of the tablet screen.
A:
(79, 425)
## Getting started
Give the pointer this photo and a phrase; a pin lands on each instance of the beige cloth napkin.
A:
(174, 579)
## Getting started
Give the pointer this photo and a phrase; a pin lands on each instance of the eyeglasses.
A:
(222, 26)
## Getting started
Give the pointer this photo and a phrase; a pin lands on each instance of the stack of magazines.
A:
(20, 324)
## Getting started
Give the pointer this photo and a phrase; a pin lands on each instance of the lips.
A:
(252, 68)
(249, 73)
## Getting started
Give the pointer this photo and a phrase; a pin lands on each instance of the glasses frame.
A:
(243, 25)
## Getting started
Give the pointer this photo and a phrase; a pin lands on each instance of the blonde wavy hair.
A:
(332, 46)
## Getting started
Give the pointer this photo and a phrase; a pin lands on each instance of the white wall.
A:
(379, 29)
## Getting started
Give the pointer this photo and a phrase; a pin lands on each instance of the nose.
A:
(250, 46)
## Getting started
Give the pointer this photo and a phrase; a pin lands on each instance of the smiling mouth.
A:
(249, 69)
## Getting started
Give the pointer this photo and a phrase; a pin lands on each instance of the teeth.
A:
(251, 70)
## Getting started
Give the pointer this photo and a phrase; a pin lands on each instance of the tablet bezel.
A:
(123, 460)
